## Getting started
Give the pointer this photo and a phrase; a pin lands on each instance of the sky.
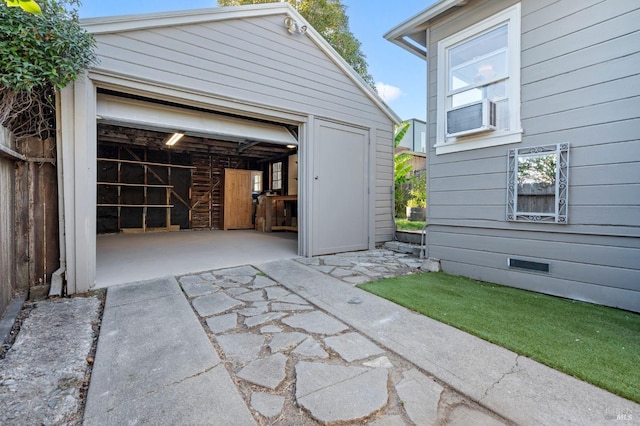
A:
(399, 75)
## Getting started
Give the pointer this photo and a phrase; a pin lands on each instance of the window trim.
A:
(444, 145)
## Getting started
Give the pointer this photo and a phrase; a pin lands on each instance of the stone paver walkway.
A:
(295, 364)
(364, 266)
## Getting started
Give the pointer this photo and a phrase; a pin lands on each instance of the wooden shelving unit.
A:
(147, 168)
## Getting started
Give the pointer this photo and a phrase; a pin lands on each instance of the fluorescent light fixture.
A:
(175, 138)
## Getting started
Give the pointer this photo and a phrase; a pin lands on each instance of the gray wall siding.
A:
(255, 61)
(579, 84)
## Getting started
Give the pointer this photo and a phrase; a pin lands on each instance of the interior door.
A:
(237, 199)
(340, 218)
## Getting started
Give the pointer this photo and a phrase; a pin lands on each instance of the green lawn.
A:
(406, 225)
(594, 343)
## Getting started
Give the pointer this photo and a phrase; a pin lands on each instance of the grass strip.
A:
(407, 225)
(597, 344)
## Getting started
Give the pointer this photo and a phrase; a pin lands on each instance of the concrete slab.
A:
(253, 296)
(242, 347)
(315, 322)
(289, 307)
(321, 389)
(277, 293)
(244, 270)
(220, 324)
(420, 397)
(252, 311)
(266, 404)
(263, 318)
(212, 304)
(532, 385)
(293, 298)
(235, 291)
(310, 349)
(261, 281)
(382, 362)
(125, 258)
(194, 289)
(286, 341)
(194, 400)
(268, 372)
(150, 340)
(462, 415)
(352, 346)
(42, 374)
(269, 329)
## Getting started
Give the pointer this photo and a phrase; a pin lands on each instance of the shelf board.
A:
(164, 206)
(140, 185)
(146, 163)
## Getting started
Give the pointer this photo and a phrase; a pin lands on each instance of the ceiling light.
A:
(291, 146)
(174, 138)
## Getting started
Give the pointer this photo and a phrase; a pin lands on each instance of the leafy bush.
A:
(39, 55)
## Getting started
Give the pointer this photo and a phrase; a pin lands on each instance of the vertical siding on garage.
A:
(580, 84)
(222, 59)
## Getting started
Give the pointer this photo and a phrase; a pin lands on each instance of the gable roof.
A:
(412, 33)
(123, 23)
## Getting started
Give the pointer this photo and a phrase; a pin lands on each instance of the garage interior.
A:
(240, 192)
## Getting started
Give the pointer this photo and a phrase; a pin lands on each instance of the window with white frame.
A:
(276, 175)
(476, 65)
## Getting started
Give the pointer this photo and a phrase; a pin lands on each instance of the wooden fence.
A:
(29, 249)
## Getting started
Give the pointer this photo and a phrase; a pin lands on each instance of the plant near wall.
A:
(418, 191)
(401, 173)
(39, 54)
(26, 5)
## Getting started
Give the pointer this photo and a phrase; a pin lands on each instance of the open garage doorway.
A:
(180, 190)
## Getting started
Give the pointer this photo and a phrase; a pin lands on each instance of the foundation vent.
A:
(528, 265)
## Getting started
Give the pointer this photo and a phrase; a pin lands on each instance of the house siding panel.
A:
(579, 85)
(220, 60)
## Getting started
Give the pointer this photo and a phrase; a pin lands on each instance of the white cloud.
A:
(388, 92)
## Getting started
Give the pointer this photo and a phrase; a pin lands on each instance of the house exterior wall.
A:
(579, 84)
(255, 61)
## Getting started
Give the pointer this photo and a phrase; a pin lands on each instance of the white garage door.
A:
(340, 189)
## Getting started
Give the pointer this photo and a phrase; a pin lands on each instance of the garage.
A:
(220, 129)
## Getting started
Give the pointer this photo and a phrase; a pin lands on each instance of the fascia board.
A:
(120, 23)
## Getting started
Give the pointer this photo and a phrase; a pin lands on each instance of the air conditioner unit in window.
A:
(472, 118)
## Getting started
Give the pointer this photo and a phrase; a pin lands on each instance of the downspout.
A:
(58, 277)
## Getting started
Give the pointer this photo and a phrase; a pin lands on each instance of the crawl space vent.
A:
(528, 265)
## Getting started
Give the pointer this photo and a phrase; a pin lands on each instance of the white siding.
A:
(580, 84)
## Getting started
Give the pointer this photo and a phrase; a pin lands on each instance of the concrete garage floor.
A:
(124, 258)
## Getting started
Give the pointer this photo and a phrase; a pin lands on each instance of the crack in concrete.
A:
(512, 370)
(166, 386)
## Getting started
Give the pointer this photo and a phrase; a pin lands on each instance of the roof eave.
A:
(401, 34)
(119, 23)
